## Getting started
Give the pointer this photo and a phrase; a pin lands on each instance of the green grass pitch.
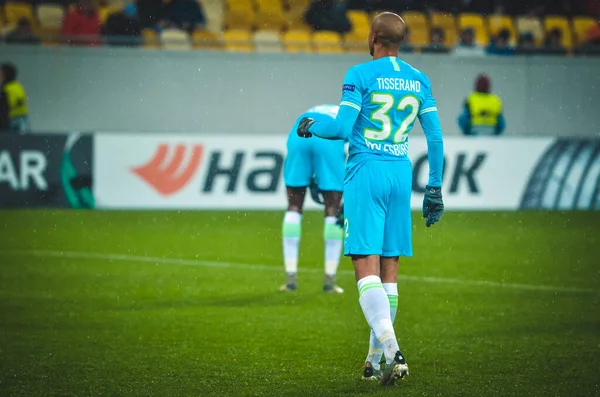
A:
(186, 303)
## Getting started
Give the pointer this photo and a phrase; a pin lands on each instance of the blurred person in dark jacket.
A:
(499, 45)
(186, 14)
(482, 113)
(152, 13)
(553, 40)
(22, 34)
(122, 28)
(14, 114)
(328, 15)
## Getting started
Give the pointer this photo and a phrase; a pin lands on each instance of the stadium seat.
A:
(419, 28)
(175, 39)
(270, 16)
(13, 12)
(215, 15)
(150, 38)
(359, 20)
(532, 26)
(297, 41)
(356, 42)
(561, 23)
(447, 23)
(105, 12)
(475, 22)
(496, 23)
(205, 39)
(240, 18)
(267, 41)
(327, 42)
(581, 27)
(237, 41)
(294, 20)
(50, 15)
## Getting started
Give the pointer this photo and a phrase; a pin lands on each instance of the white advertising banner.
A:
(145, 171)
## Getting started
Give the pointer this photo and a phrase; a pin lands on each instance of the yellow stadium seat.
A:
(270, 17)
(418, 26)
(447, 23)
(359, 20)
(297, 41)
(240, 18)
(561, 23)
(175, 39)
(496, 23)
(205, 39)
(150, 38)
(105, 12)
(13, 12)
(581, 26)
(294, 20)
(475, 22)
(237, 41)
(267, 41)
(532, 26)
(356, 42)
(327, 42)
(50, 15)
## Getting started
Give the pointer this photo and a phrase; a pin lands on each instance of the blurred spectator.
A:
(526, 41)
(482, 113)
(14, 114)
(553, 40)
(406, 45)
(328, 15)
(593, 35)
(437, 37)
(82, 25)
(466, 44)
(22, 34)
(123, 28)
(152, 13)
(499, 45)
(185, 14)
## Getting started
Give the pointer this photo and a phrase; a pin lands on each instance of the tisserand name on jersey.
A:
(398, 84)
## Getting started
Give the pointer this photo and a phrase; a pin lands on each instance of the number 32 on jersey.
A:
(386, 102)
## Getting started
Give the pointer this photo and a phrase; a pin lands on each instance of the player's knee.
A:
(292, 222)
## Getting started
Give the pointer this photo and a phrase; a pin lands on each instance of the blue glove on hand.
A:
(303, 127)
(433, 206)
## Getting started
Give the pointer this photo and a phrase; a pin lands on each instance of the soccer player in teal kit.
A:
(381, 100)
(325, 161)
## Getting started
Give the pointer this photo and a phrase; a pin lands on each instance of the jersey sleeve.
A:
(350, 107)
(352, 90)
(430, 122)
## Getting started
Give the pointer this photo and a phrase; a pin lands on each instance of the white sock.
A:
(291, 231)
(376, 308)
(375, 348)
(332, 234)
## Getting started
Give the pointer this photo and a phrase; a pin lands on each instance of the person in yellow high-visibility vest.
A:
(482, 114)
(14, 114)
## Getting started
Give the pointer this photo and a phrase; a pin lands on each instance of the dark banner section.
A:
(566, 177)
(46, 171)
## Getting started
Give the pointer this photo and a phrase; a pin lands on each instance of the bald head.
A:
(387, 30)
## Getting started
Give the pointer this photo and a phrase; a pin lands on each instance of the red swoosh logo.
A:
(169, 178)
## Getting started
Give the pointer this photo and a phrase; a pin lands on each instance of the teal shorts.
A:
(377, 215)
(308, 157)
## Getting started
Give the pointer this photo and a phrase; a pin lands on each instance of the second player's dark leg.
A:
(296, 197)
(332, 202)
(291, 231)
